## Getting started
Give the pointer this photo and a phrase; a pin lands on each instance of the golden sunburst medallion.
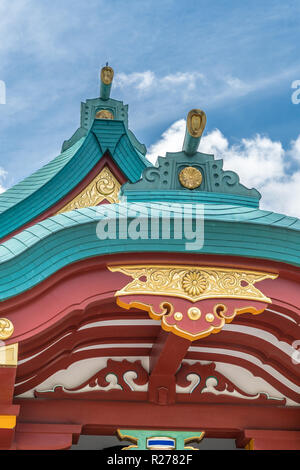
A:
(194, 283)
(190, 177)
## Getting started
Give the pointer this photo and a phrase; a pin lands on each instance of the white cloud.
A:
(256, 160)
(295, 149)
(141, 80)
(192, 86)
(260, 162)
(145, 81)
(3, 175)
(170, 141)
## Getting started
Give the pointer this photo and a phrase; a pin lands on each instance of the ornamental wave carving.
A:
(123, 376)
(103, 186)
(193, 283)
(204, 384)
(211, 176)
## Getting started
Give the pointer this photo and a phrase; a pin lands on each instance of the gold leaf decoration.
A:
(104, 114)
(103, 186)
(193, 282)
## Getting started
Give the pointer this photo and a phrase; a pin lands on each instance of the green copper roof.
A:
(39, 251)
(87, 116)
(37, 193)
(114, 109)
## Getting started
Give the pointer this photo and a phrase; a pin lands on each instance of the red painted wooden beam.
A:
(226, 420)
(266, 439)
(34, 436)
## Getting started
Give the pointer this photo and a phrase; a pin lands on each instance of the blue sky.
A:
(236, 60)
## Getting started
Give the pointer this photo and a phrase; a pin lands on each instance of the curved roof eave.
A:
(43, 249)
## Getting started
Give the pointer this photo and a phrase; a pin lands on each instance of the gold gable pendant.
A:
(103, 186)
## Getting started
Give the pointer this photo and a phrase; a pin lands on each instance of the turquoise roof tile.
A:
(31, 197)
(40, 251)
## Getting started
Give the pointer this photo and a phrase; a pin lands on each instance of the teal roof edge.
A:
(198, 177)
(43, 249)
(41, 190)
(185, 195)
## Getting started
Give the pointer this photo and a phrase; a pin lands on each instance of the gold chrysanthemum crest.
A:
(190, 177)
(194, 283)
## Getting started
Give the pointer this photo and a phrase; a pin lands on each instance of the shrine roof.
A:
(43, 249)
(183, 182)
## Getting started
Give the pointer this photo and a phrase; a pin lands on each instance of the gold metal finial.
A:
(195, 124)
(107, 74)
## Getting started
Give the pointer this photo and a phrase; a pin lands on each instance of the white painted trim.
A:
(254, 360)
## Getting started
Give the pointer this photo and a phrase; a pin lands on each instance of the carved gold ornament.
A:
(104, 114)
(9, 355)
(194, 313)
(193, 283)
(178, 316)
(207, 297)
(103, 186)
(190, 177)
(6, 328)
(209, 317)
(107, 75)
(196, 122)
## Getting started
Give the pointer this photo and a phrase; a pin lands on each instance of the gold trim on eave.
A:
(104, 186)
(193, 282)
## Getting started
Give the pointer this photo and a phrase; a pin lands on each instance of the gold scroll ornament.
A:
(104, 186)
(6, 328)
